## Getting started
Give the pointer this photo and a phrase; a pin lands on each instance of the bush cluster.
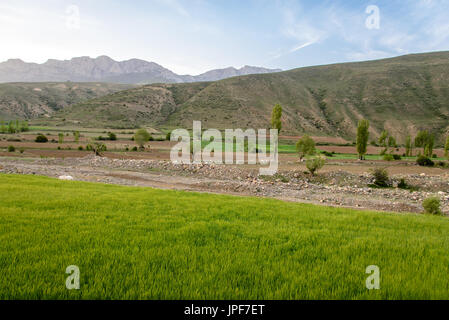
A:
(381, 178)
(432, 206)
(41, 139)
(424, 161)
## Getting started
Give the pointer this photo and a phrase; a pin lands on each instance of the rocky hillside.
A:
(402, 94)
(31, 100)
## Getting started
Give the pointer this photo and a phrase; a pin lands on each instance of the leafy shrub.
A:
(80, 148)
(388, 157)
(434, 156)
(168, 136)
(21, 150)
(97, 147)
(397, 157)
(442, 164)
(424, 161)
(112, 136)
(402, 184)
(134, 149)
(314, 164)
(11, 149)
(432, 206)
(381, 178)
(41, 139)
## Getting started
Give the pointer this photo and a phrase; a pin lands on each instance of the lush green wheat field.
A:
(139, 243)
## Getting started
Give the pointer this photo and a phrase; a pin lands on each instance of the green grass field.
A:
(141, 243)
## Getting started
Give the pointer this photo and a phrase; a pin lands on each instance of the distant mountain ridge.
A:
(105, 69)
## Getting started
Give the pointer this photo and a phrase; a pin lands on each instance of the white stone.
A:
(68, 178)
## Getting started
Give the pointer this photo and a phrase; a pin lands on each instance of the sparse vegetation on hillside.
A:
(31, 100)
(327, 100)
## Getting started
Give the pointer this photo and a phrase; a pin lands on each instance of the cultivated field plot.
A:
(142, 243)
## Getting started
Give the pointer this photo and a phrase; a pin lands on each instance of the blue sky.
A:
(193, 36)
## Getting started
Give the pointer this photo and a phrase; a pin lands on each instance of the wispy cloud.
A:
(302, 46)
(176, 6)
(409, 26)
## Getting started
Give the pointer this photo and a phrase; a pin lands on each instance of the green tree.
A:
(24, 126)
(76, 136)
(11, 128)
(305, 146)
(362, 138)
(446, 148)
(421, 136)
(426, 141)
(141, 137)
(391, 142)
(276, 116)
(60, 138)
(3, 128)
(428, 149)
(408, 146)
(387, 141)
(383, 139)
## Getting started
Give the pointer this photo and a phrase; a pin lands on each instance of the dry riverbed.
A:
(336, 187)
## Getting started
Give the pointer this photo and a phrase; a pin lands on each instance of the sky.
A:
(193, 36)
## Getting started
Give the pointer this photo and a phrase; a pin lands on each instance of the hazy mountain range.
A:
(105, 69)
